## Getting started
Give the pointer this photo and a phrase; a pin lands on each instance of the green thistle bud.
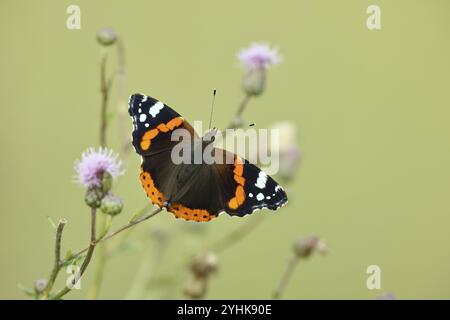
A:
(107, 182)
(111, 205)
(93, 197)
(106, 36)
(254, 81)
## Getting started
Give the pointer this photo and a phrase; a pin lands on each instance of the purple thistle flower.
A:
(94, 163)
(258, 56)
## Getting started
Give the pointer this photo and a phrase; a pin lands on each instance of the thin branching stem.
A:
(56, 266)
(131, 223)
(87, 259)
(104, 88)
(117, 231)
(237, 119)
(286, 277)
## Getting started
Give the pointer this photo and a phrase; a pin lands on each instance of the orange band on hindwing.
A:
(239, 194)
(148, 136)
(180, 211)
(199, 215)
(152, 192)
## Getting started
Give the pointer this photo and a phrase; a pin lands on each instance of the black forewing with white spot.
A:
(147, 113)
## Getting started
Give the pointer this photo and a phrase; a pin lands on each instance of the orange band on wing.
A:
(152, 192)
(239, 194)
(199, 215)
(146, 140)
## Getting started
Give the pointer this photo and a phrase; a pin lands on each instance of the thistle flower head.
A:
(258, 56)
(93, 164)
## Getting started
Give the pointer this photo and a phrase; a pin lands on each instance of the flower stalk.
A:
(56, 266)
(303, 248)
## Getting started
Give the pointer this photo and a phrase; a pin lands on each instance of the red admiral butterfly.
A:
(191, 191)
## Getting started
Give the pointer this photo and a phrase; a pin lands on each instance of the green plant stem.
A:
(122, 102)
(56, 266)
(105, 85)
(119, 230)
(104, 88)
(88, 257)
(286, 277)
(100, 261)
(131, 223)
(237, 117)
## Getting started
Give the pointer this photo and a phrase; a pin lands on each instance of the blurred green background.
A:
(371, 108)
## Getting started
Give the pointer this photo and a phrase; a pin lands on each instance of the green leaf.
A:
(73, 260)
(69, 254)
(52, 223)
(26, 290)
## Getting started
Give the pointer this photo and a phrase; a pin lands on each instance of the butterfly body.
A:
(195, 189)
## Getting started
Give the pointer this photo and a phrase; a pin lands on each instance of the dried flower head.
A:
(258, 56)
(304, 247)
(195, 287)
(93, 164)
(204, 264)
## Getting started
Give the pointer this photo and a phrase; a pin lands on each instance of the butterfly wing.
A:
(238, 188)
(247, 188)
(153, 123)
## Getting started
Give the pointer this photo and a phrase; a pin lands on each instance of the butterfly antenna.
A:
(212, 108)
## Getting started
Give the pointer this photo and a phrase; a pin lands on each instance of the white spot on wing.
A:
(259, 196)
(142, 117)
(250, 195)
(144, 99)
(154, 110)
(147, 125)
(261, 181)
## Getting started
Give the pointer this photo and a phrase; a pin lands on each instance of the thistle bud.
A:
(303, 247)
(40, 285)
(93, 197)
(195, 287)
(254, 82)
(237, 122)
(111, 205)
(204, 264)
(106, 36)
